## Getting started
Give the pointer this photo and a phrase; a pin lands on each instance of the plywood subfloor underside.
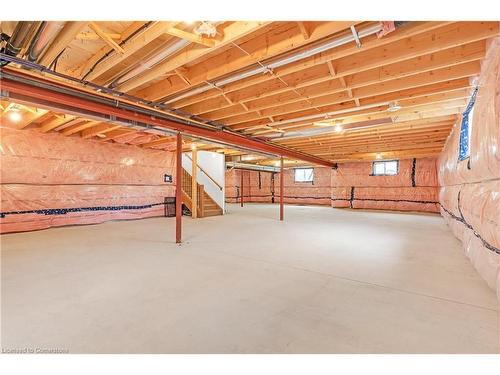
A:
(325, 281)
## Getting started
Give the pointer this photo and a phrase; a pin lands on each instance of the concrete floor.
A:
(323, 281)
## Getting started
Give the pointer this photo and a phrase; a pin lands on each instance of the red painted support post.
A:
(241, 187)
(178, 189)
(282, 188)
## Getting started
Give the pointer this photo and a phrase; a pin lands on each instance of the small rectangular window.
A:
(466, 128)
(303, 174)
(385, 168)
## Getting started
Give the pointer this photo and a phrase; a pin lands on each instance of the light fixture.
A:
(15, 114)
(393, 107)
(338, 128)
(206, 28)
(378, 156)
(327, 122)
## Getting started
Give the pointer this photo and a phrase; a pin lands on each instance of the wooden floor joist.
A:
(427, 68)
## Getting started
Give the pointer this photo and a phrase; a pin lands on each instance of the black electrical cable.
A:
(143, 27)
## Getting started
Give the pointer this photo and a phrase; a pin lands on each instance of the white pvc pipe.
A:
(287, 60)
(170, 50)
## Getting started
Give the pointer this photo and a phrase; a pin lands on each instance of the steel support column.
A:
(241, 187)
(282, 189)
(178, 189)
(194, 183)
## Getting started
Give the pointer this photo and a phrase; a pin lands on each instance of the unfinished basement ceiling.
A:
(337, 90)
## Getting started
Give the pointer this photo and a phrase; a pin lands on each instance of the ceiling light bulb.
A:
(338, 128)
(15, 115)
(393, 107)
(378, 156)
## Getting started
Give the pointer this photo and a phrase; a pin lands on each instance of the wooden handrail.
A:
(206, 174)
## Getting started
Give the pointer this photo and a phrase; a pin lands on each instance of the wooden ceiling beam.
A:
(30, 117)
(370, 115)
(68, 124)
(427, 152)
(274, 42)
(99, 129)
(371, 134)
(421, 64)
(374, 139)
(232, 33)
(304, 30)
(158, 142)
(370, 42)
(53, 123)
(322, 95)
(316, 86)
(381, 147)
(405, 61)
(130, 47)
(115, 134)
(106, 38)
(70, 30)
(329, 104)
(344, 117)
(79, 128)
(173, 31)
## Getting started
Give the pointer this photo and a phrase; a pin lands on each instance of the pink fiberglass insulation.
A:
(414, 188)
(470, 189)
(264, 187)
(51, 180)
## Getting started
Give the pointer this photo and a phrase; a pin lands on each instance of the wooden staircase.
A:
(206, 205)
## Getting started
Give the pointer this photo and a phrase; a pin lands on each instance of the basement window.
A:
(304, 174)
(466, 128)
(385, 168)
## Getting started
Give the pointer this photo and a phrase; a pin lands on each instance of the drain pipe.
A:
(18, 39)
(169, 51)
(263, 68)
(45, 34)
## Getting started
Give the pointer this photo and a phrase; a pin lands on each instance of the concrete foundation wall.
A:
(51, 180)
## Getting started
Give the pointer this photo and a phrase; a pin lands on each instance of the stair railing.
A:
(205, 173)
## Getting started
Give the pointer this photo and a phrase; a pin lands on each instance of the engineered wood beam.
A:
(78, 128)
(264, 96)
(53, 123)
(303, 29)
(453, 38)
(426, 113)
(99, 129)
(259, 48)
(337, 101)
(29, 118)
(70, 30)
(191, 37)
(106, 38)
(131, 46)
(231, 34)
(333, 54)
